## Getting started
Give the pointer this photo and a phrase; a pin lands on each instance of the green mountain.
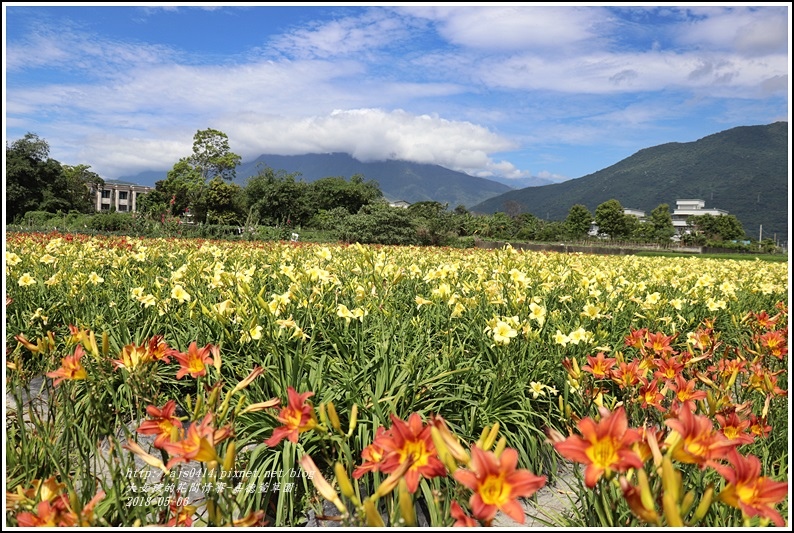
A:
(744, 171)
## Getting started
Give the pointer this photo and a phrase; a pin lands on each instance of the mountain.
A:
(743, 171)
(398, 180)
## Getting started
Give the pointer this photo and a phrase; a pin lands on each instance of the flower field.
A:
(388, 384)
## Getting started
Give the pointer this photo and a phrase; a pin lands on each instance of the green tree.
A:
(81, 184)
(277, 198)
(212, 155)
(378, 223)
(222, 203)
(610, 219)
(578, 222)
(34, 181)
(717, 228)
(662, 223)
(332, 192)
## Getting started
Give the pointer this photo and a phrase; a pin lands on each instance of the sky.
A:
(496, 90)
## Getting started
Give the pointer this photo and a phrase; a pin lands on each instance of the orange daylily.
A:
(373, 455)
(164, 423)
(460, 516)
(600, 366)
(628, 374)
(497, 484)
(734, 428)
(605, 446)
(775, 343)
(132, 356)
(685, 393)
(748, 490)
(297, 417)
(659, 343)
(694, 440)
(411, 440)
(636, 339)
(195, 361)
(198, 444)
(667, 369)
(71, 368)
(158, 349)
(49, 514)
(649, 394)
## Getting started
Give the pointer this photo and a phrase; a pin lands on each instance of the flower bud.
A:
(373, 517)
(353, 420)
(333, 417)
(703, 506)
(344, 482)
(406, 504)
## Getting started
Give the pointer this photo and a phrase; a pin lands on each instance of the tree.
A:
(34, 181)
(378, 223)
(81, 184)
(276, 198)
(578, 222)
(662, 222)
(610, 219)
(212, 155)
(332, 192)
(186, 182)
(717, 228)
(222, 203)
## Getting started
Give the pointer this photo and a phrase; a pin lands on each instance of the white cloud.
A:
(744, 31)
(510, 28)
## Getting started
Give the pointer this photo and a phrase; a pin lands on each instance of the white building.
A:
(121, 195)
(638, 213)
(688, 208)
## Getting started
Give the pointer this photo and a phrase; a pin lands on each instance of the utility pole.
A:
(760, 231)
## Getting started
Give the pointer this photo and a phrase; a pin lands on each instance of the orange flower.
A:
(650, 395)
(57, 513)
(164, 424)
(627, 374)
(297, 417)
(198, 444)
(497, 484)
(182, 515)
(636, 338)
(71, 368)
(600, 366)
(158, 349)
(411, 440)
(774, 343)
(195, 361)
(460, 516)
(659, 343)
(132, 356)
(685, 393)
(605, 447)
(734, 428)
(693, 439)
(759, 427)
(372, 455)
(667, 369)
(748, 490)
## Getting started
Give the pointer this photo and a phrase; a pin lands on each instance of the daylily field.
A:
(389, 385)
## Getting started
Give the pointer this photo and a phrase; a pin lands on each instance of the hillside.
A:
(743, 171)
(398, 180)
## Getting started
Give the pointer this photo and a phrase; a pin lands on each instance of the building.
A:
(121, 195)
(400, 203)
(687, 208)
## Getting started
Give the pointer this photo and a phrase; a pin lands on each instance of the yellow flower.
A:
(137, 292)
(180, 294)
(421, 301)
(343, 312)
(47, 259)
(323, 253)
(95, 278)
(26, 280)
(561, 338)
(224, 308)
(503, 332)
(591, 311)
(578, 335)
(12, 259)
(147, 300)
(255, 333)
(537, 389)
(537, 313)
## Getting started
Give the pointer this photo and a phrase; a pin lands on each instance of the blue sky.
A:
(512, 90)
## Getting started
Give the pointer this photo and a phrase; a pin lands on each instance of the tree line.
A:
(200, 188)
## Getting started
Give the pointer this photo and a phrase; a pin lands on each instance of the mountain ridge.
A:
(742, 170)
